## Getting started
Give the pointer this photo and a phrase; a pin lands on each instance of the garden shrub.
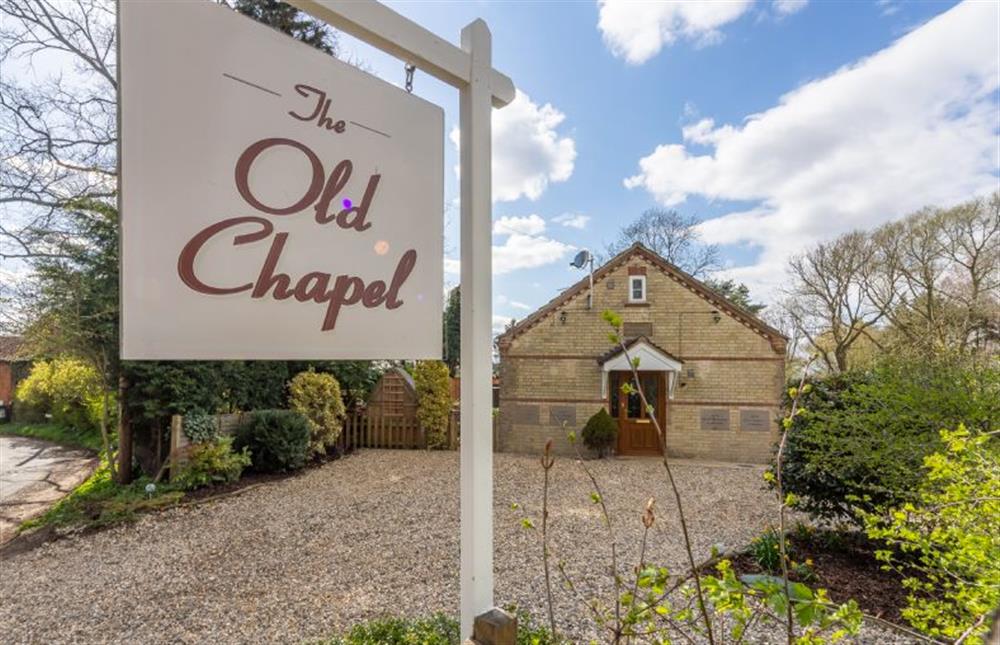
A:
(947, 541)
(862, 438)
(68, 389)
(200, 427)
(766, 551)
(278, 440)
(600, 433)
(317, 397)
(438, 629)
(212, 462)
(433, 401)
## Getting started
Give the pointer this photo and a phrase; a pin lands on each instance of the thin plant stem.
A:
(783, 547)
(616, 579)
(547, 462)
(677, 496)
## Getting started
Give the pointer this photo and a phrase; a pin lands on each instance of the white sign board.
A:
(276, 203)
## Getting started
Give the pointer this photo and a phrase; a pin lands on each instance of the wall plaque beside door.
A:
(755, 420)
(714, 419)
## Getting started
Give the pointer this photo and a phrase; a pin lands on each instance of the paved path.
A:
(33, 475)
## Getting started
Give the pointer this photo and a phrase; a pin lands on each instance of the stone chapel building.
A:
(713, 371)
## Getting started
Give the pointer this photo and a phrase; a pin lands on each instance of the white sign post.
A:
(362, 315)
(469, 69)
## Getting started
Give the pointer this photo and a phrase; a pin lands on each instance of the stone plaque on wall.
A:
(527, 414)
(562, 413)
(714, 419)
(636, 329)
(755, 420)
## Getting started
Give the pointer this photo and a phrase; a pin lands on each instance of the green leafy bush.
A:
(212, 462)
(766, 551)
(947, 541)
(200, 427)
(862, 437)
(278, 440)
(600, 433)
(438, 629)
(317, 398)
(433, 401)
(68, 389)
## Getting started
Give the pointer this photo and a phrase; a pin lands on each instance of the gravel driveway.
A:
(374, 533)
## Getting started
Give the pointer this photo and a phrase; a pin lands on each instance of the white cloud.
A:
(528, 152)
(887, 7)
(525, 247)
(572, 220)
(528, 225)
(637, 31)
(914, 124)
(520, 305)
(788, 7)
(527, 252)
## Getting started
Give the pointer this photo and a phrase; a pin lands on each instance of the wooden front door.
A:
(636, 432)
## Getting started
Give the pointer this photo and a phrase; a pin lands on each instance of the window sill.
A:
(637, 304)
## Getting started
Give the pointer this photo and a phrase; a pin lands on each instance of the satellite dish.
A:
(581, 259)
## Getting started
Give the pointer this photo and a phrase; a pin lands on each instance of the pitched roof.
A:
(629, 344)
(670, 270)
(406, 377)
(11, 348)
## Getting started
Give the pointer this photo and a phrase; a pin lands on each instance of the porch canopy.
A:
(651, 359)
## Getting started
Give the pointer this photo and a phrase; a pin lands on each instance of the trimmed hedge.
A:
(600, 433)
(863, 437)
(278, 440)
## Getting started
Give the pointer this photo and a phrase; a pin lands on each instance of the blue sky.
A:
(777, 123)
(809, 104)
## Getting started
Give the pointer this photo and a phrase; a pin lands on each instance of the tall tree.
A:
(289, 20)
(673, 236)
(453, 331)
(736, 293)
(826, 299)
(74, 310)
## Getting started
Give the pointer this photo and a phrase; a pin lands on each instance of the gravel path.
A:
(371, 534)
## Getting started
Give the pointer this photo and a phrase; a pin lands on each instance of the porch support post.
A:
(476, 574)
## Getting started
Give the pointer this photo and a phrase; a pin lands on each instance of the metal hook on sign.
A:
(409, 76)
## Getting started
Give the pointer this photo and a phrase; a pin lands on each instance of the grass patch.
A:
(100, 502)
(54, 433)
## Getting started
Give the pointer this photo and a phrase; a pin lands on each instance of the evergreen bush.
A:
(278, 440)
(863, 436)
(212, 462)
(68, 389)
(600, 433)
(200, 427)
(317, 397)
(433, 401)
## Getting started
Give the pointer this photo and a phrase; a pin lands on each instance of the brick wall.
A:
(549, 372)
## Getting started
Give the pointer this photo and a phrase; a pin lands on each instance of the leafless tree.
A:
(671, 235)
(927, 283)
(58, 116)
(827, 301)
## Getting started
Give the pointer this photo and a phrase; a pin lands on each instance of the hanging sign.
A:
(276, 202)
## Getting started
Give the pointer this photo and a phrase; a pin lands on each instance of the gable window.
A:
(637, 288)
